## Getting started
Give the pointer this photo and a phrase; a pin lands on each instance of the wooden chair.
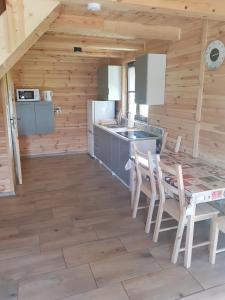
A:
(172, 201)
(218, 225)
(145, 180)
(145, 183)
(165, 145)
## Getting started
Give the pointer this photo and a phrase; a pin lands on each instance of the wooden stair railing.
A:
(2, 6)
(22, 23)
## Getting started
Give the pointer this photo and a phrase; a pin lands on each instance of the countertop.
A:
(123, 129)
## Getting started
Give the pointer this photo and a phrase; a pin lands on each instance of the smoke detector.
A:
(94, 6)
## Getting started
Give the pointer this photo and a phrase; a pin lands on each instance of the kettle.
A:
(48, 95)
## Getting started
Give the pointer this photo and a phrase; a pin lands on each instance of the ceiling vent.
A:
(77, 49)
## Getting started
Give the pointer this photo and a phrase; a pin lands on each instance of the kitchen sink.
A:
(137, 134)
(113, 126)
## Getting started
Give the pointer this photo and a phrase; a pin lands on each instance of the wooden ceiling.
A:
(119, 30)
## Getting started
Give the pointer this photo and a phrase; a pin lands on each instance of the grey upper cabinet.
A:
(110, 83)
(35, 117)
(103, 88)
(26, 118)
(150, 79)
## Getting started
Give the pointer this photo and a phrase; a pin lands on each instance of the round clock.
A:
(215, 55)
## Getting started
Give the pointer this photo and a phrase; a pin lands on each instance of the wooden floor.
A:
(68, 235)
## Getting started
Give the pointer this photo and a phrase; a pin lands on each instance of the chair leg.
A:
(136, 201)
(213, 242)
(134, 187)
(158, 221)
(179, 235)
(150, 213)
(189, 241)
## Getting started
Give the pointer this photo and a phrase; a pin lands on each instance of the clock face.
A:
(215, 55)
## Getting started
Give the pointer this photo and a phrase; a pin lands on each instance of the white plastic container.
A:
(48, 96)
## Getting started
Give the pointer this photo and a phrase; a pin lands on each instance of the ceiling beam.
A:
(211, 9)
(99, 27)
(85, 53)
(16, 22)
(68, 42)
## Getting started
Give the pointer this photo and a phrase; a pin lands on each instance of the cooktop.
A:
(137, 134)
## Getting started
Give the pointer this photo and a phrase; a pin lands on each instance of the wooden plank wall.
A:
(73, 82)
(177, 116)
(212, 129)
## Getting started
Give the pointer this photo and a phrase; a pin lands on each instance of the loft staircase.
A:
(22, 23)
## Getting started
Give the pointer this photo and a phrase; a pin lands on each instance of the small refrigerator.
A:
(96, 111)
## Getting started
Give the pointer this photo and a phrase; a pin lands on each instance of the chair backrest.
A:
(170, 181)
(165, 145)
(145, 168)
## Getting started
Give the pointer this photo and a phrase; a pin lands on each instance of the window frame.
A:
(138, 117)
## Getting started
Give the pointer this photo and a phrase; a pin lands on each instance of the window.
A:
(139, 111)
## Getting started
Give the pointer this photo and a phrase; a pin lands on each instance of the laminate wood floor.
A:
(69, 235)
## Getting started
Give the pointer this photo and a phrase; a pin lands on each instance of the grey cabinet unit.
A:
(44, 117)
(113, 151)
(35, 117)
(150, 79)
(103, 88)
(110, 83)
(26, 118)
(124, 156)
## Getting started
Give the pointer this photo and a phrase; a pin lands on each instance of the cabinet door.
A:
(141, 80)
(26, 118)
(103, 90)
(106, 148)
(115, 83)
(97, 142)
(44, 117)
(124, 156)
(115, 155)
(102, 146)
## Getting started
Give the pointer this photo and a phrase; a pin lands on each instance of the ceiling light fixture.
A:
(94, 6)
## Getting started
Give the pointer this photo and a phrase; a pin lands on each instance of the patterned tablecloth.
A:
(203, 182)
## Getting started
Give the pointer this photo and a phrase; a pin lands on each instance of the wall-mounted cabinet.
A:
(35, 118)
(150, 79)
(110, 83)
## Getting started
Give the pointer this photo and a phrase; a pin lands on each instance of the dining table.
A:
(204, 182)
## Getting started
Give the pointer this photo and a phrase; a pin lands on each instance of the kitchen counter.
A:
(115, 131)
(113, 150)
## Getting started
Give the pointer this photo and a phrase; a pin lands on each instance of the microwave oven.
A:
(27, 95)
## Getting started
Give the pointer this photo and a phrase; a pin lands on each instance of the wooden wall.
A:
(212, 130)
(73, 81)
(177, 116)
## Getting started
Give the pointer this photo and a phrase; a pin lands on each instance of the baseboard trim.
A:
(7, 194)
(53, 154)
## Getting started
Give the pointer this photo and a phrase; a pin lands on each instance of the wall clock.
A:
(215, 55)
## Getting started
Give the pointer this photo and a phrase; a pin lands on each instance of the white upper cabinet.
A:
(150, 79)
(110, 83)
